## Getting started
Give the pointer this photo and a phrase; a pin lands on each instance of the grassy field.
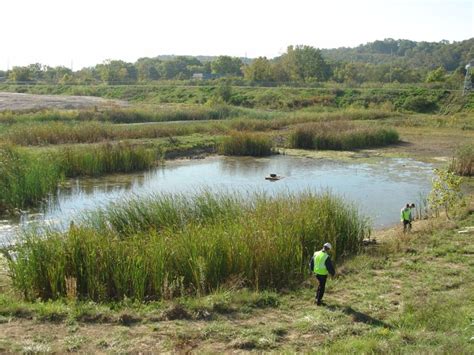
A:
(225, 279)
(406, 294)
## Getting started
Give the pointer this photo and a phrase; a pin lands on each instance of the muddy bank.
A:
(24, 102)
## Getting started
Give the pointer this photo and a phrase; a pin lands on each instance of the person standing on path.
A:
(406, 218)
(321, 265)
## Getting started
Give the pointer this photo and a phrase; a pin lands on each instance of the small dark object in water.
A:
(273, 177)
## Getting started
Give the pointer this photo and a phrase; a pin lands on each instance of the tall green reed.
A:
(340, 135)
(245, 143)
(165, 245)
(106, 158)
(25, 179)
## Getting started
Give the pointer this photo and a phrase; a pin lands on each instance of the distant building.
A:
(205, 76)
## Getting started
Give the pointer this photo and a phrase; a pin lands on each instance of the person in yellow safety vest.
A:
(321, 265)
(406, 218)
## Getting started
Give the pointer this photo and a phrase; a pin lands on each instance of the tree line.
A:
(387, 61)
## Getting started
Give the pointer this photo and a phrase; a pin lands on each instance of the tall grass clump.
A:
(463, 161)
(171, 245)
(106, 158)
(340, 135)
(25, 179)
(245, 143)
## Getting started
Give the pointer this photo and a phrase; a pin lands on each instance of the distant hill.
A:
(201, 58)
(403, 52)
(426, 55)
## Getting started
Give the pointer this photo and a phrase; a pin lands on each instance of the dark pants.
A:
(406, 226)
(321, 287)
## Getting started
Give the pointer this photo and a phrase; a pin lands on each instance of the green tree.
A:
(117, 71)
(20, 74)
(259, 70)
(87, 76)
(147, 69)
(225, 65)
(305, 63)
(446, 191)
(57, 74)
(178, 68)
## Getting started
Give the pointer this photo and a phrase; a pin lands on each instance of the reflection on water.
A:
(379, 189)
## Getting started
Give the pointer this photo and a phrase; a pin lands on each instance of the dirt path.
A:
(20, 102)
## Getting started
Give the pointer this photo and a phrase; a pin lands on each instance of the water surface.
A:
(379, 189)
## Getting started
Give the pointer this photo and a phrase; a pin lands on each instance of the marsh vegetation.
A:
(175, 245)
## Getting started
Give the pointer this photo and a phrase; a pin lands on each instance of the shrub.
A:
(419, 104)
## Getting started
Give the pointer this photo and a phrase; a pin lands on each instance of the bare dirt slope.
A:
(19, 102)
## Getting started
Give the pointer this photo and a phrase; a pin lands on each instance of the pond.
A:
(378, 188)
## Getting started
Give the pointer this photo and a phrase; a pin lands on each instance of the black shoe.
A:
(320, 303)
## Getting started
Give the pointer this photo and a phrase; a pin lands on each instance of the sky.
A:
(81, 33)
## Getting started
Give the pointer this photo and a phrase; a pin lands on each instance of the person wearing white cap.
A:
(321, 266)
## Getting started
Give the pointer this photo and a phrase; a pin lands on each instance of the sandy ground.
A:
(20, 102)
